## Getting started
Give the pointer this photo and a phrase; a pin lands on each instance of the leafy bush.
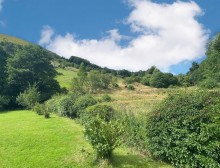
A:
(66, 106)
(29, 97)
(46, 114)
(130, 87)
(104, 136)
(63, 105)
(82, 103)
(115, 85)
(106, 98)
(4, 100)
(209, 84)
(185, 129)
(53, 104)
(104, 112)
(39, 108)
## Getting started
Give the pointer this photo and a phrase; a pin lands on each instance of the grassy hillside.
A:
(29, 140)
(65, 76)
(12, 39)
(141, 100)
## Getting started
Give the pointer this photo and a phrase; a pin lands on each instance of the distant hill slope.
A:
(9, 42)
(12, 39)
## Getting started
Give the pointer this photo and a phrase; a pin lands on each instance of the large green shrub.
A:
(104, 112)
(185, 129)
(130, 87)
(104, 136)
(63, 105)
(82, 103)
(29, 98)
(39, 108)
(4, 100)
(209, 83)
(106, 98)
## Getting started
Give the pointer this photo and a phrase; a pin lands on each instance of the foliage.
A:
(79, 86)
(130, 87)
(184, 129)
(105, 98)
(209, 83)
(135, 130)
(29, 98)
(210, 67)
(59, 140)
(79, 61)
(104, 112)
(39, 108)
(146, 80)
(82, 103)
(3, 68)
(46, 114)
(114, 82)
(104, 136)
(162, 80)
(131, 79)
(123, 73)
(4, 100)
(63, 105)
(29, 65)
(98, 81)
(92, 82)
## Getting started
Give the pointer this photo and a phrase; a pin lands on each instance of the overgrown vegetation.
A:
(22, 66)
(104, 136)
(29, 98)
(184, 129)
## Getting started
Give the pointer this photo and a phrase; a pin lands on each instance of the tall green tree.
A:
(210, 67)
(3, 74)
(31, 65)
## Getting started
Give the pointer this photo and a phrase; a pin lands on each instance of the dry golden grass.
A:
(12, 39)
(139, 101)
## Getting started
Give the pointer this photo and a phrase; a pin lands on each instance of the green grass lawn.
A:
(30, 141)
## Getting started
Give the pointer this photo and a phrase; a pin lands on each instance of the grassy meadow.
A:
(65, 76)
(29, 140)
(139, 101)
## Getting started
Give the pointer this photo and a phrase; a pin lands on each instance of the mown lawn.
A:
(30, 141)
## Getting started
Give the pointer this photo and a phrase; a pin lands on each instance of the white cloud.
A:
(167, 34)
(1, 4)
(46, 34)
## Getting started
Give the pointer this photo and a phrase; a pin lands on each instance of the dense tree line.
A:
(207, 73)
(22, 66)
(90, 82)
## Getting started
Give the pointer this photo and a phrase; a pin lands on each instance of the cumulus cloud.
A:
(166, 34)
(46, 34)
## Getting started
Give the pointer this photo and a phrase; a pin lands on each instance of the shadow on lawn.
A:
(4, 111)
(134, 161)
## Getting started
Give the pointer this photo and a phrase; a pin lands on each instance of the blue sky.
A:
(115, 33)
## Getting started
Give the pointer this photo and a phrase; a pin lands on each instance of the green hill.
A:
(12, 39)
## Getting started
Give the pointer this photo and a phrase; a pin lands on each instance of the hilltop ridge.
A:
(12, 39)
